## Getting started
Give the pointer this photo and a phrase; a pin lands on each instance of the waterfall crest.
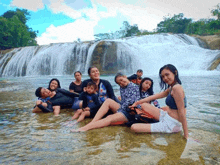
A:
(148, 52)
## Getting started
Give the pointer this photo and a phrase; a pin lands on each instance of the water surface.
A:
(28, 138)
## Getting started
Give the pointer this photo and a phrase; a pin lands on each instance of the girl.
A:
(175, 115)
(146, 90)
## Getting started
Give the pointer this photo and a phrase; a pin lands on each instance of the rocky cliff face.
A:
(212, 42)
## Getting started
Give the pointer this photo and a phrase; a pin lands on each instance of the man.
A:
(136, 78)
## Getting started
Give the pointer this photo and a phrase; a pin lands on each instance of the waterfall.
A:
(148, 52)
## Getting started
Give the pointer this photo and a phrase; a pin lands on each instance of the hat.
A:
(38, 92)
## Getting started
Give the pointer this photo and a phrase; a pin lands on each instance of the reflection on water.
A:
(28, 138)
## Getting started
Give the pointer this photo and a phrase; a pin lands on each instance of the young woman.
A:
(54, 84)
(129, 94)
(170, 120)
(146, 90)
(76, 86)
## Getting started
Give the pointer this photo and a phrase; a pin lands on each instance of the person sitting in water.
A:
(170, 121)
(104, 88)
(136, 78)
(53, 85)
(60, 97)
(76, 86)
(129, 94)
(146, 90)
(90, 101)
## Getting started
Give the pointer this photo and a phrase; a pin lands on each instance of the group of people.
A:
(95, 98)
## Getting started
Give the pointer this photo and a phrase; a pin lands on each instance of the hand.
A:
(87, 109)
(38, 102)
(133, 105)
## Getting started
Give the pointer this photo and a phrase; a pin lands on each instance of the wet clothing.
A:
(166, 124)
(63, 98)
(146, 94)
(105, 90)
(171, 102)
(129, 95)
(90, 101)
(134, 78)
(76, 88)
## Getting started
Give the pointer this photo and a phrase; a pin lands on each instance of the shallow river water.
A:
(28, 138)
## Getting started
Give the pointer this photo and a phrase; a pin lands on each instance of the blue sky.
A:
(67, 20)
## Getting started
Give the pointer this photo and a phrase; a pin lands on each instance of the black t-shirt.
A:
(76, 88)
(63, 97)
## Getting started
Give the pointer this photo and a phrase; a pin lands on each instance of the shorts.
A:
(166, 124)
(75, 105)
(128, 116)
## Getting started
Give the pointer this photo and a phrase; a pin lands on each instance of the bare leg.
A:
(77, 113)
(141, 127)
(154, 111)
(80, 104)
(36, 110)
(83, 115)
(104, 122)
(56, 110)
(108, 104)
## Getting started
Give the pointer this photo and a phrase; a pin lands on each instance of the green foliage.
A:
(216, 12)
(14, 32)
(175, 24)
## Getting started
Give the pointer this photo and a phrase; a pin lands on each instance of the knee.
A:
(134, 127)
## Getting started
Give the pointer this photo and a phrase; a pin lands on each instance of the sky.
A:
(59, 21)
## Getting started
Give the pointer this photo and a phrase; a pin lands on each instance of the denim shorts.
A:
(128, 116)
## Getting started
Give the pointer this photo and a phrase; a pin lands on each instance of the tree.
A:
(175, 24)
(13, 30)
(216, 12)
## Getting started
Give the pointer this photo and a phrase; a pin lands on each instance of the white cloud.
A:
(68, 33)
(28, 4)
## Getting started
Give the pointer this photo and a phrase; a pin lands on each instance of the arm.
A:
(178, 95)
(68, 93)
(109, 88)
(152, 97)
(129, 97)
(71, 87)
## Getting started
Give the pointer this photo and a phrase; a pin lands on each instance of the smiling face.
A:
(53, 85)
(94, 74)
(78, 76)
(146, 85)
(122, 81)
(45, 93)
(90, 89)
(168, 77)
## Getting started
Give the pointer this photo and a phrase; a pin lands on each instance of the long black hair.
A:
(150, 90)
(58, 82)
(173, 69)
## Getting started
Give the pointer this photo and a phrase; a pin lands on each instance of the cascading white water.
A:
(148, 52)
(151, 52)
